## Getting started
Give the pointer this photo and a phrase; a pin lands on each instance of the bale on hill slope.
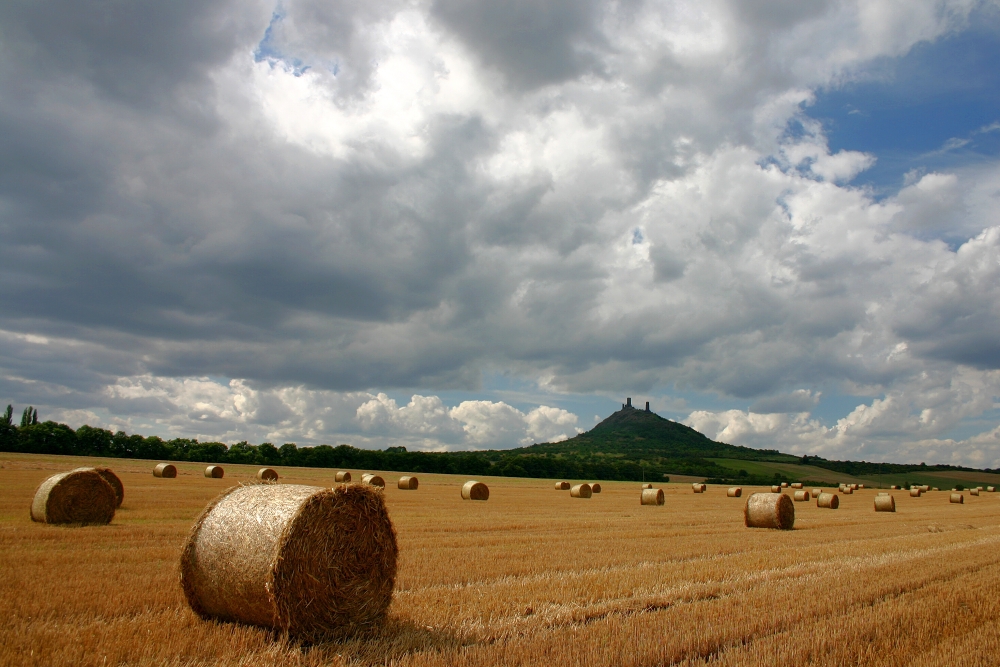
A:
(562, 486)
(372, 479)
(111, 478)
(165, 470)
(885, 503)
(342, 477)
(734, 492)
(215, 472)
(595, 487)
(769, 510)
(315, 563)
(473, 490)
(580, 491)
(267, 475)
(79, 496)
(828, 500)
(957, 498)
(408, 483)
(651, 497)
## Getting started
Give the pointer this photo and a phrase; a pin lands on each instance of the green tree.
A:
(8, 432)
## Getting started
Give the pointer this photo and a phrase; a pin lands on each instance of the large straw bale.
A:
(581, 491)
(769, 510)
(165, 470)
(562, 486)
(698, 487)
(79, 496)
(973, 492)
(647, 485)
(815, 493)
(473, 490)
(776, 488)
(267, 475)
(796, 485)
(801, 495)
(342, 477)
(652, 497)
(111, 478)
(215, 472)
(885, 503)
(372, 480)
(315, 563)
(828, 500)
(408, 483)
(915, 492)
(595, 487)
(957, 498)
(734, 492)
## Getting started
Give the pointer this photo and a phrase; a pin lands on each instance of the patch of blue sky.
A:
(269, 51)
(935, 109)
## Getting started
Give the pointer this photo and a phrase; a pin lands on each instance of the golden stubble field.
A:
(531, 577)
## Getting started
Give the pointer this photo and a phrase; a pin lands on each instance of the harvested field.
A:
(480, 584)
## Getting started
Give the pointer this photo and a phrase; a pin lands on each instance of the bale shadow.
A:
(394, 640)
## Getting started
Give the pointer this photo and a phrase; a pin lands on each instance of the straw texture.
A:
(799, 496)
(111, 478)
(215, 472)
(165, 470)
(372, 479)
(80, 496)
(473, 490)
(815, 493)
(885, 503)
(267, 475)
(915, 492)
(734, 492)
(595, 488)
(973, 492)
(652, 497)
(315, 563)
(828, 500)
(769, 510)
(562, 486)
(698, 487)
(342, 477)
(580, 491)
(408, 483)
(957, 498)
(776, 488)
(796, 485)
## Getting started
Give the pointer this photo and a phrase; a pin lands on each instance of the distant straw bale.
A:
(784, 485)
(734, 492)
(885, 503)
(915, 492)
(111, 478)
(165, 470)
(581, 491)
(267, 475)
(769, 510)
(652, 497)
(848, 490)
(924, 488)
(215, 472)
(979, 488)
(815, 493)
(342, 477)
(698, 487)
(595, 487)
(562, 486)
(314, 563)
(991, 489)
(861, 486)
(801, 495)
(854, 487)
(894, 487)
(408, 483)
(973, 492)
(957, 498)
(776, 488)
(935, 489)
(828, 500)
(80, 496)
(372, 480)
(647, 485)
(796, 485)
(473, 490)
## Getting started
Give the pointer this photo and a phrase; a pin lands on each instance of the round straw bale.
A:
(372, 479)
(267, 475)
(973, 492)
(734, 492)
(652, 497)
(815, 493)
(698, 487)
(801, 495)
(776, 488)
(957, 498)
(315, 563)
(924, 488)
(935, 489)
(784, 485)
(848, 490)
(647, 485)
(991, 489)
(861, 486)
(581, 491)
(915, 493)
(215, 472)
(78, 496)
(473, 490)
(828, 500)
(979, 488)
(854, 487)
(111, 478)
(165, 470)
(342, 477)
(595, 487)
(562, 486)
(885, 503)
(796, 485)
(769, 510)
(408, 483)
(894, 487)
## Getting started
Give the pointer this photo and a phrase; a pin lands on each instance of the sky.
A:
(458, 225)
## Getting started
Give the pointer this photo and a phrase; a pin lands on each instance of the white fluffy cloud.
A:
(331, 201)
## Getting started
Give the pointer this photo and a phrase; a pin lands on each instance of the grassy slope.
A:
(794, 471)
